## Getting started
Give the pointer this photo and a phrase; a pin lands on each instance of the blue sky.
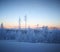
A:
(42, 12)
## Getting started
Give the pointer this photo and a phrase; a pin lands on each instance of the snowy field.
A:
(14, 46)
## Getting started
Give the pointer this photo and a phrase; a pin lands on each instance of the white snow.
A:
(14, 46)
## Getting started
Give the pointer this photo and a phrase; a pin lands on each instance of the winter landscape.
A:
(29, 26)
(30, 40)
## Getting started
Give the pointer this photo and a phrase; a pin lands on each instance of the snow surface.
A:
(14, 46)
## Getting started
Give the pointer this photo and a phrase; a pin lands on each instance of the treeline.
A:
(31, 35)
